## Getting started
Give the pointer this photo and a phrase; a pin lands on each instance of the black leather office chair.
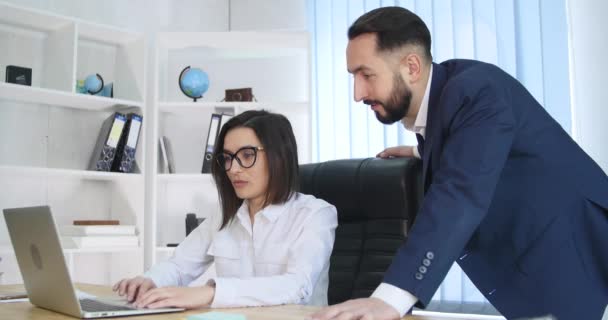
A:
(377, 201)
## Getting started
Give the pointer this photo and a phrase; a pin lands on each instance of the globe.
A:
(193, 82)
(93, 84)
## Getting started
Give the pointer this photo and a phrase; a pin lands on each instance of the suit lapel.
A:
(432, 126)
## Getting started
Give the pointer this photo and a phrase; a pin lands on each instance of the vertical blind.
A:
(526, 38)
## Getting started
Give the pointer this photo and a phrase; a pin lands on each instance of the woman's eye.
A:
(248, 154)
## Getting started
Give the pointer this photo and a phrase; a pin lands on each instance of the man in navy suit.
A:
(509, 195)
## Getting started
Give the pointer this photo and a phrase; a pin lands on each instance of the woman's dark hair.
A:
(394, 27)
(276, 135)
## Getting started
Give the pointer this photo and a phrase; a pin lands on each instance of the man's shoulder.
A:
(471, 76)
(473, 69)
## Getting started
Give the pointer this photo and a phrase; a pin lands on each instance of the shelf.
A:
(9, 250)
(67, 173)
(106, 34)
(188, 107)
(21, 93)
(186, 177)
(30, 18)
(230, 44)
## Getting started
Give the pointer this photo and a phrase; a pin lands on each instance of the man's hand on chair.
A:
(363, 309)
(397, 152)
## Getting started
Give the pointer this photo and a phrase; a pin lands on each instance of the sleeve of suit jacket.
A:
(478, 127)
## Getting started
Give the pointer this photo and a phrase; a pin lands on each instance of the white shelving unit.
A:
(276, 65)
(48, 131)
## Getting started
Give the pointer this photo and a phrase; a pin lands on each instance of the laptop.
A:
(45, 274)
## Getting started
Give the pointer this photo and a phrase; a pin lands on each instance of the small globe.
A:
(193, 82)
(93, 84)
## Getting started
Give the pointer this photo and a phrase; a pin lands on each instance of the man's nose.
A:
(360, 91)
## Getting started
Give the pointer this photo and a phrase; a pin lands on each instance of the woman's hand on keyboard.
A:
(133, 288)
(181, 297)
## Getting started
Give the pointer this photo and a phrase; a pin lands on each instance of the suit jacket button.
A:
(419, 276)
(426, 262)
(430, 255)
(422, 269)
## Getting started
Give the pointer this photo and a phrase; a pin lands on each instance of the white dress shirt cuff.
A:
(415, 151)
(224, 293)
(397, 298)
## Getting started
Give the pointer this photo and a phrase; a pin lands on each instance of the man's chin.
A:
(385, 119)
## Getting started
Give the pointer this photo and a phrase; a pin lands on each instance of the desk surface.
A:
(25, 310)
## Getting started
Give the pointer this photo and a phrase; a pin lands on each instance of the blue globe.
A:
(93, 84)
(194, 82)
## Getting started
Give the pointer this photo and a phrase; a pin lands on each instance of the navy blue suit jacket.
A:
(510, 197)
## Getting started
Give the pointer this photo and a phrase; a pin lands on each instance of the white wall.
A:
(268, 15)
(146, 16)
(588, 70)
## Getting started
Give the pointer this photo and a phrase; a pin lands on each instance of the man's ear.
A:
(411, 67)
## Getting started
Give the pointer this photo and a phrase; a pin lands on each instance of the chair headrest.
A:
(364, 189)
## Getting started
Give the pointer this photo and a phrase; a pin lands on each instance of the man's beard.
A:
(398, 103)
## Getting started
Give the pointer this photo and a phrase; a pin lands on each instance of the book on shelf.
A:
(104, 151)
(83, 242)
(95, 222)
(127, 145)
(215, 127)
(98, 230)
(166, 161)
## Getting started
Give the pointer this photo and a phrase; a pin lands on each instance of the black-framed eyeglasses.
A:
(245, 156)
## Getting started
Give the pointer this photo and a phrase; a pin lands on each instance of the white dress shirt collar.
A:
(419, 125)
(271, 212)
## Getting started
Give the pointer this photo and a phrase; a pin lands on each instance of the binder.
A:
(163, 162)
(107, 142)
(211, 137)
(127, 146)
(225, 118)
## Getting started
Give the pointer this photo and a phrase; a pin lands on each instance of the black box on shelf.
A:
(19, 75)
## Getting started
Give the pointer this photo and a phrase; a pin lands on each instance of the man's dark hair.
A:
(394, 27)
(276, 136)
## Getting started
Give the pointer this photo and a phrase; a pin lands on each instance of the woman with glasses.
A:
(271, 244)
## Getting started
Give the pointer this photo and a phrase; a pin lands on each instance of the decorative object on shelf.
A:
(85, 242)
(107, 142)
(98, 230)
(94, 85)
(239, 95)
(98, 235)
(127, 146)
(192, 222)
(193, 82)
(19, 75)
(166, 163)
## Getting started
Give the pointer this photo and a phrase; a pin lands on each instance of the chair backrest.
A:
(377, 201)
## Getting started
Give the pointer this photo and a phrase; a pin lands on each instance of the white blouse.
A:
(282, 259)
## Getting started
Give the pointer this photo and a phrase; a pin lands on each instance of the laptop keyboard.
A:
(90, 305)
